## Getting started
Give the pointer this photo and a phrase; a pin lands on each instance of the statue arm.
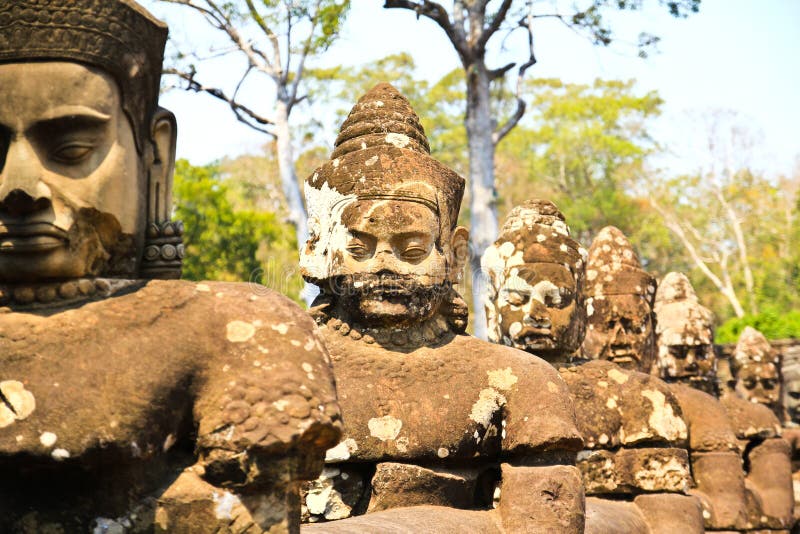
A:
(266, 413)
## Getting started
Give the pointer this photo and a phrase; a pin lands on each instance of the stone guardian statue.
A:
(440, 427)
(129, 403)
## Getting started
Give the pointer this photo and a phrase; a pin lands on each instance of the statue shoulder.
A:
(750, 420)
(264, 379)
(238, 298)
(540, 414)
(618, 407)
(709, 425)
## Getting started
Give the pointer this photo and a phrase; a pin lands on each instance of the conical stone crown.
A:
(382, 117)
(752, 346)
(680, 317)
(613, 268)
(675, 287)
(381, 153)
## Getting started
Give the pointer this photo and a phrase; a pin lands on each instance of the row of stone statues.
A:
(129, 404)
(644, 437)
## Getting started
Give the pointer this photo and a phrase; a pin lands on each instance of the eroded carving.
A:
(129, 405)
(430, 413)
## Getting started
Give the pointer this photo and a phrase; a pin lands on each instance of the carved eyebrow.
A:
(67, 124)
(411, 234)
(69, 112)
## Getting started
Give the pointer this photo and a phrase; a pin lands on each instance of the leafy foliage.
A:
(229, 243)
(582, 146)
(774, 324)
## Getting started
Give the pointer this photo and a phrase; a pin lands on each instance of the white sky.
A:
(736, 54)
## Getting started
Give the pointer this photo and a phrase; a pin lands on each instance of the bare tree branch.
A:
(498, 19)
(725, 287)
(301, 65)
(438, 14)
(243, 113)
(512, 121)
(217, 18)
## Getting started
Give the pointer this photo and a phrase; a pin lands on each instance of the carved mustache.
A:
(31, 229)
(392, 285)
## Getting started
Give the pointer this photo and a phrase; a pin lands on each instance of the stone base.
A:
(604, 516)
(398, 485)
(542, 499)
(631, 471)
(670, 513)
(719, 483)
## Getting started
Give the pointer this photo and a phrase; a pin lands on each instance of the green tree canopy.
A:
(228, 242)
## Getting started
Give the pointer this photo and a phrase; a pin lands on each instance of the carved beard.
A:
(108, 251)
(389, 299)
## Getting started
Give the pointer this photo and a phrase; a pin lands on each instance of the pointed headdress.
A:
(381, 153)
(613, 268)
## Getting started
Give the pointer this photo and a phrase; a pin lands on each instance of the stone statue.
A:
(129, 404)
(536, 273)
(724, 436)
(790, 372)
(619, 304)
(635, 466)
(439, 426)
(756, 369)
(685, 336)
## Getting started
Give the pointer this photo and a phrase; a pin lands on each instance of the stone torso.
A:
(431, 425)
(107, 402)
(446, 403)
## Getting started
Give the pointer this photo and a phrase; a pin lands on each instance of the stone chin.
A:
(94, 245)
(402, 304)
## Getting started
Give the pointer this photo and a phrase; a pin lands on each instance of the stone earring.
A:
(163, 250)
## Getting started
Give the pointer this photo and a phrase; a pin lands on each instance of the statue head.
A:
(86, 155)
(790, 371)
(383, 235)
(756, 368)
(536, 272)
(618, 296)
(684, 335)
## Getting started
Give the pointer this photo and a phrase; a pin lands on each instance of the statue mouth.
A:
(32, 237)
(622, 355)
(535, 336)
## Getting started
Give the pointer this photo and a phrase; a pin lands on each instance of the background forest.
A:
(590, 147)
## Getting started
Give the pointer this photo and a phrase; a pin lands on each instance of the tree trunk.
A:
(290, 185)
(483, 211)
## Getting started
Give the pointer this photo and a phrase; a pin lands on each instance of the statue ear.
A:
(163, 247)
(163, 136)
(459, 249)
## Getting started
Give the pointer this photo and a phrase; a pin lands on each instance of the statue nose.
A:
(18, 203)
(22, 191)
(537, 315)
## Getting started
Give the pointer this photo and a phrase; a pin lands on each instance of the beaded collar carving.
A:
(429, 332)
(54, 294)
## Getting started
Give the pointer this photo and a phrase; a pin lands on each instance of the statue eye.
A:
(415, 251)
(515, 298)
(768, 383)
(357, 249)
(72, 152)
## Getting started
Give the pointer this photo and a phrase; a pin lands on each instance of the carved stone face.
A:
(620, 329)
(71, 184)
(536, 306)
(392, 270)
(791, 391)
(756, 366)
(759, 382)
(685, 336)
(536, 272)
(688, 360)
